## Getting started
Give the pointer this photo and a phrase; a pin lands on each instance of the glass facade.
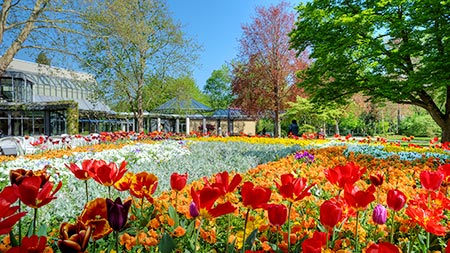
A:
(16, 90)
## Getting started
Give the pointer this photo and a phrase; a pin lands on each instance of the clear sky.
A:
(216, 26)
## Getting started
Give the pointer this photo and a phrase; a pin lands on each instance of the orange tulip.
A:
(143, 184)
(74, 237)
(95, 215)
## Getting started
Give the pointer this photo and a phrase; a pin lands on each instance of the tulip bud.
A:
(379, 214)
(193, 210)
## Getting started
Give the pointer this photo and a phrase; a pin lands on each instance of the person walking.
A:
(293, 128)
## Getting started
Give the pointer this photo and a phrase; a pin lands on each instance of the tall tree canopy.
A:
(42, 25)
(388, 50)
(218, 88)
(136, 44)
(264, 75)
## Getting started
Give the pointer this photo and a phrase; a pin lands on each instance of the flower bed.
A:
(214, 212)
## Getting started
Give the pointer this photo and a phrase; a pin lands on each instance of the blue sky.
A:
(216, 25)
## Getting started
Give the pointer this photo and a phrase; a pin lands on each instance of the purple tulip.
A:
(379, 214)
(193, 210)
(117, 213)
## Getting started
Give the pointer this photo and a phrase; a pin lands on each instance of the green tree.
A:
(38, 25)
(218, 88)
(387, 50)
(43, 59)
(264, 74)
(136, 44)
(311, 113)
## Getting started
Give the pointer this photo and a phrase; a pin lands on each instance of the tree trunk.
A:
(445, 137)
(336, 128)
(8, 56)
(277, 124)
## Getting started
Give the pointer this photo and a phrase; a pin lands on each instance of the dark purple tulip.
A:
(193, 210)
(379, 214)
(117, 213)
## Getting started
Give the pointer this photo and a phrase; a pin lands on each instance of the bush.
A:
(419, 124)
(306, 128)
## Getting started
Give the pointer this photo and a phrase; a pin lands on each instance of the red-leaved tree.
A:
(264, 74)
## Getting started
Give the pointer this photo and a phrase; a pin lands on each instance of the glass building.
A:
(37, 99)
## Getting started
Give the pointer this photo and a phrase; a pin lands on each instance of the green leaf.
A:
(13, 239)
(42, 231)
(251, 239)
(167, 244)
(174, 216)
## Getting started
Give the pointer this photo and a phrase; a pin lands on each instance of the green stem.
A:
(20, 223)
(392, 227)
(228, 232)
(87, 192)
(411, 242)
(94, 245)
(34, 220)
(289, 226)
(198, 233)
(356, 233)
(176, 200)
(245, 229)
(109, 192)
(116, 233)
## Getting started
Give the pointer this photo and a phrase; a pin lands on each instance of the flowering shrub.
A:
(228, 196)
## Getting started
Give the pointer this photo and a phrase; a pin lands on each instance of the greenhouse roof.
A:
(178, 105)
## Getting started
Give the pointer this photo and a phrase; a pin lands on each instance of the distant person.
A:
(321, 134)
(293, 128)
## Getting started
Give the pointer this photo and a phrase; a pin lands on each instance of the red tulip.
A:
(255, 197)
(330, 214)
(223, 182)
(83, 172)
(293, 189)
(377, 179)
(445, 170)
(430, 220)
(178, 181)
(8, 215)
(17, 176)
(396, 200)
(32, 195)
(277, 214)
(35, 244)
(358, 199)
(447, 249)
(107, 174)
(315, 244)
(311, 246)
(383, 247)
(204, 200)
(431, 180)
(342, 175)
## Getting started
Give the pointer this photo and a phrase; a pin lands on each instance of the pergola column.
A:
(187, 126)
(158, 124)
(204, 126)
(177, 125)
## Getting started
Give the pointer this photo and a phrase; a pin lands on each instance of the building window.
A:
(6, 90)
